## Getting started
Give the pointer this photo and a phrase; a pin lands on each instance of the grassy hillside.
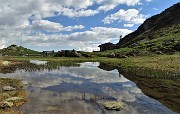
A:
(15, 50)
(167, 44)
(163, 24)
(160, 34)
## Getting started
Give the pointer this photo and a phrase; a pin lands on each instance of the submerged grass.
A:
(152, 66)
(156, 62)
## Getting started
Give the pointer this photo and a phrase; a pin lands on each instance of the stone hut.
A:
(110, 46)
(107, 46)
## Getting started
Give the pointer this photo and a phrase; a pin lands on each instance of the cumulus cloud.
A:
(128, 25)
(45, 25)
(84, 41)
(111, 4)
(27, 19)
(74, 13)
(130, 16)
(52, 26)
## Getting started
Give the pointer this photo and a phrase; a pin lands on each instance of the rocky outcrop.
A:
(8, 88)
(68, 53)
(6, 104)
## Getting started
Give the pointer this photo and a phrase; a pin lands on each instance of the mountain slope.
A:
(165, 24)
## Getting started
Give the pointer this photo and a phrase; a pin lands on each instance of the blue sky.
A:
(72, 24)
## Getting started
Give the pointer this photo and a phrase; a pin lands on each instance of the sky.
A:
(72, 24)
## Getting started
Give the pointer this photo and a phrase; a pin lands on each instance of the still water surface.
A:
(82, 90)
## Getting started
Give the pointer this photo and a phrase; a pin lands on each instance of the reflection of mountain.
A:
(164, 90)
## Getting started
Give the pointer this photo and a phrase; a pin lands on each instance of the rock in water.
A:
(6, 104)
(8, 88)
(113, 105)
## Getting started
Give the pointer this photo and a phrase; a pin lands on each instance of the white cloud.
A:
(131, 16)
(74, 13)
(111, 4)
(149, 0)
(2, 44)
(70, 28)
(84, 41)
(52, 26)
(25, 19)
(155, 9)
(73, 3)
(128, 25)
(45, 25)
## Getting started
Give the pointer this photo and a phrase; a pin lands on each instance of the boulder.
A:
(132, 53)
(8, 88)
(112, 55)
(159, 52)
(177, 47)
(113, 105)
(169, 42)
(6, 104)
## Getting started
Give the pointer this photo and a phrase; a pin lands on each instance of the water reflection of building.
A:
(106, 67)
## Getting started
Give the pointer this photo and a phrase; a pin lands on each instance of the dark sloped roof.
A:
(110, 44)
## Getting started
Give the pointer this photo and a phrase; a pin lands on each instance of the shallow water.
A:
(82, 90)
(38, 62)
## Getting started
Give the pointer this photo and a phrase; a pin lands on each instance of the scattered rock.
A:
(169, 42)
(14, 99)
(132, 53)
(25, 82)
(112, 55)
(159, 52)
(6, 104)
(13, 48)
(8, 88)
(5, 95)
(113, 105)
(177, 47)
